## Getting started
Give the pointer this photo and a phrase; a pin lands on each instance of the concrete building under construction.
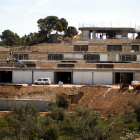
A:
(89, 60)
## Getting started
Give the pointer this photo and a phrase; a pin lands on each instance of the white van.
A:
(45, 81)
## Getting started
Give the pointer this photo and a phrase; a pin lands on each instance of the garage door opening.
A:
(64, 77)
(123, 78)
(6, 76)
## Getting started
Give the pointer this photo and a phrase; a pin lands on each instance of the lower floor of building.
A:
(70, 76)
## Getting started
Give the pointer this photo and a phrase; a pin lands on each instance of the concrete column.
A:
(85, 34)
(93, 35)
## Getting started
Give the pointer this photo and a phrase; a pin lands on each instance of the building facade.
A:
(83, 61)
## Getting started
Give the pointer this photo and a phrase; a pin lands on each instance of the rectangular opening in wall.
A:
(55, 56)
(129, 57)
(23, 56)
(65, 77)
(105, 66)
(114, 48)
(31, 65)
(135, 48)
(65, 65)
(125, 78)
(81, 48)
(93, 57)
(15, 56)
(6, 76)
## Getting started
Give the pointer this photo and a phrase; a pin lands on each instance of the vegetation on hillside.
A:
(81, 124)
(46, 27)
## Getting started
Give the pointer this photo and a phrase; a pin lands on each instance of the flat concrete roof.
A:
(109, 29)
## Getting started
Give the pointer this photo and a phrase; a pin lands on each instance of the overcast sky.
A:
(20, 16)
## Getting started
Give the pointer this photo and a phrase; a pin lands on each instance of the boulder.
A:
(138, 37)
(55, 38)
(72, 31)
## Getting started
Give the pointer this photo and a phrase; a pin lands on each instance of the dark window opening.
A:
(69, 61)
(114, 48)
(135, 48)
(65, 65)
(105, 66)
(23, 56)
(55, 56)
(125, 78)
(30, 64)
(94, 57)
(65, 77)
(81, 48)
(6, 76)
(128, 57)
(15, 56)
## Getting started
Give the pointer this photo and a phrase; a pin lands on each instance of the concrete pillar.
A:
(85, 34)
(93, 35)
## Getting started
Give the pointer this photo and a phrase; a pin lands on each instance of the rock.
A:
(138, 37)
(72, 31)
(55, 38)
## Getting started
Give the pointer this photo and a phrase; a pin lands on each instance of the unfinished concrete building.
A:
(84, 61)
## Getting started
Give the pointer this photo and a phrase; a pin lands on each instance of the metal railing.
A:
(110, 25)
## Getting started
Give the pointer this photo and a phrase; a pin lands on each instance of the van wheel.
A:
(46, 83)
(36, 83)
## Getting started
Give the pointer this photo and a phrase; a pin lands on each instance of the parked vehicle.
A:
(45, 81)
(121, 37)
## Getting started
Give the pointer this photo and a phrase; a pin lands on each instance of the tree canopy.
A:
(51, 23)
(46, 27)
(9, 38)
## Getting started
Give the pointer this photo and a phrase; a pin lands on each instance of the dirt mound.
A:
(109, 101)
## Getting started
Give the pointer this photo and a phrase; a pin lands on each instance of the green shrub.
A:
(62, 101)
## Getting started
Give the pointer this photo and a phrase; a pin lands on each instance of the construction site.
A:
(90, 68)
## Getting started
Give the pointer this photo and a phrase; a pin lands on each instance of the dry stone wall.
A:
(126, 48)
(48, 65)
(5, 54)
(107, 40)
(97, 48)
(127, 65)
(38, 57)
(85, 65)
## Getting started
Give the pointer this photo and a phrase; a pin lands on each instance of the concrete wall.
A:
(138, 57)
(85, 34)
(43, 74)
(71, 56)
(103, 57)
(117, 57)
(22, 77)
(82, 78)
(39, 104)
(102, 78)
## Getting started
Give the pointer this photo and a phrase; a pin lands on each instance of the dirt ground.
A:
(109, 100)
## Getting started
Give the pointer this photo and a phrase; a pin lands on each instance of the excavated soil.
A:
(108, 100)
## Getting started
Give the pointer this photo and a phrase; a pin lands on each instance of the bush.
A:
(52, 133)
(23, 123)
(62, 101)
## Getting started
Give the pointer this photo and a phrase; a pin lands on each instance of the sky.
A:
(21, 16)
